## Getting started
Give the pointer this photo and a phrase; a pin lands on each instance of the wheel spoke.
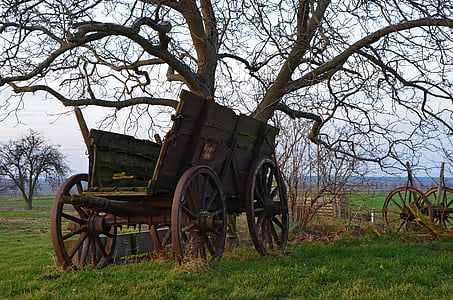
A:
(82, 213)
(203, 192)
(274, 192)
(188, 227)
(79, 187)
(270, 179)
(258, 210)
(93, 254)
(75, 232)
(259, 220)
(209, 245)
(74, 219)
(78, 244)
(277, 222)
(188, 212)
(259, 193)
(274, 233)
(398, 204)
(100, 246)
(211, 199)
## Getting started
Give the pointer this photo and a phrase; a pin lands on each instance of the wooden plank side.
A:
(119, 160)
(129, 170)
(110, 141)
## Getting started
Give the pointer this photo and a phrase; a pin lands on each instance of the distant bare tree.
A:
(5, 184)
(28, 159)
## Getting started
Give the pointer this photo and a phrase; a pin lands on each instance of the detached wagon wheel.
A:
(396, 213)
(198, 216)
(267, 207)
(80, 236)
(442, 206)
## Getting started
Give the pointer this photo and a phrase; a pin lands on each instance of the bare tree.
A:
(29, 159)
(381, 69)
(5, 184)
(316, 177)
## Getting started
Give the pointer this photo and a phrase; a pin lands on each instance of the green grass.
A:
(392, 267)
(41, 203)
(366, 267)
(366, 202)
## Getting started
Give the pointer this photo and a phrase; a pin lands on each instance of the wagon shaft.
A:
(428, 223)
(115, 207)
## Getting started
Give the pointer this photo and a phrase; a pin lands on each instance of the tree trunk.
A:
(29, 201)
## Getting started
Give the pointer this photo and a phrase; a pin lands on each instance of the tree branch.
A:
(104, 103)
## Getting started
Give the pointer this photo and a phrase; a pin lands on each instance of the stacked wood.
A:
(328, 208)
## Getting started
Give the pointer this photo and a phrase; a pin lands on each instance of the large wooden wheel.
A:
(198, 217)
(267, 207)
(442, 206)
(396, 213)
(80, 236)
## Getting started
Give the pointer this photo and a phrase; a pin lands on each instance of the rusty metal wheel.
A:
(442, 206)
(198, 216)
(80, 236)
(396, 213)
(267, 207)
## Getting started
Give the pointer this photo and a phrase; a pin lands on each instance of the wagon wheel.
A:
(396, 213)
(267, 207)
(80, 236)
(198, 216)
(442, 206)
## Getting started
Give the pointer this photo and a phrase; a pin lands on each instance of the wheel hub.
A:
(96, 225)
(207, 222)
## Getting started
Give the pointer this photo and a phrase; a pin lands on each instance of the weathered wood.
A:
(114, 154)
(437, 230)
(115, 207)
(206, 133)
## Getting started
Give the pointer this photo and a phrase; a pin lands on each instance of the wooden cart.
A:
(212, 163)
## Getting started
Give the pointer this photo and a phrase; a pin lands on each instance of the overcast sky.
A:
(62, 130)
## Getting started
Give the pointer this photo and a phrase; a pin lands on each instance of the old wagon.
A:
(212, 163)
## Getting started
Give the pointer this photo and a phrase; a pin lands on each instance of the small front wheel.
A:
(198, 216)
(267, 207)
(80, 236)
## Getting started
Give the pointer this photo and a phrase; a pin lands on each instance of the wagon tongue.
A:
(115, 207)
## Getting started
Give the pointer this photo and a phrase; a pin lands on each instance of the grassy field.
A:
(317, 265)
